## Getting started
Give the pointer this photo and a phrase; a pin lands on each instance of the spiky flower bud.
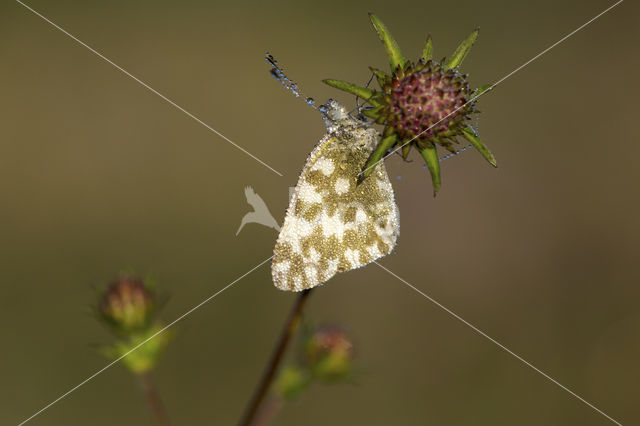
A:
(428, 103)
(127, 305)
(329, 353)
(326, 354)
(423, 104)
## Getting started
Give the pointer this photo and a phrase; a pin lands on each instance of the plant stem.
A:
(268, 411)
(269, 373)
(154, 402)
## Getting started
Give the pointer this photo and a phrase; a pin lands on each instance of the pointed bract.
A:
(380, 75)
(430, 156)
(406, 148)
(482, 90)
(362, 92)
(427, 52)
(372, 113)
(393, 51)
(386, 143)
(462, 50)
(477, 143)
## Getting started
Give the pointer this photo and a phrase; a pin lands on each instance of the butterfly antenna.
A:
(278, 73)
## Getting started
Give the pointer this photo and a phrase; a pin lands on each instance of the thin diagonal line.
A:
(498, 82)
(151, 89)
(500, 345)
(166, 327)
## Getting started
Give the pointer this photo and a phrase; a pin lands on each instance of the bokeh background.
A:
(98, 174)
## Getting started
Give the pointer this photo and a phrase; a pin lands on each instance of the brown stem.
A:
(267, 411)
(154, 402)
(278, 353)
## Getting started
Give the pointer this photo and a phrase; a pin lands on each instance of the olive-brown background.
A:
(99, 174)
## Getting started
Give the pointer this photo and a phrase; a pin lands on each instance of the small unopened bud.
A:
(329, 352)
(291, 382)
(128, 305)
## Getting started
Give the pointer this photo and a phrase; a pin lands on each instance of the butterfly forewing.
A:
(333, 225)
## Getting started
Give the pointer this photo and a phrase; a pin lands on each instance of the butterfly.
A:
(333, 224)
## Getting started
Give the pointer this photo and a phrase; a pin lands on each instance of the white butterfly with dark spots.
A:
(332, 224)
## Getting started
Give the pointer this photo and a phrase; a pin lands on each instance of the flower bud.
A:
(329, 353)
(291, 382)
(142, 351)
(422, 104)
(127, 305)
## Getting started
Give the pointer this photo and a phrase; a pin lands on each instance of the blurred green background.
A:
(99, 174)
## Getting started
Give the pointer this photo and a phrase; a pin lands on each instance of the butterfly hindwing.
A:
(333, 225)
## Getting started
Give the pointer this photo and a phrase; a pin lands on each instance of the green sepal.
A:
(373, 113)
(393, 51)
(370, 113)
(463, 49)
(482, 90)
(477, 143)
(448, 133)
(291, 382)
(361, 92)
(141, 352)
(430, 155)
(427, 52)
(377, 99)
(386, 143)
(380, 119)
(406, 148)
(448, 146)
(380, 76)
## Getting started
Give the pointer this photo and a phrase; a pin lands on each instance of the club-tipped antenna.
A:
(278, 73)
(331, 112)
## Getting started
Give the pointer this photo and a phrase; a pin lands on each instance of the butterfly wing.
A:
(332, 225)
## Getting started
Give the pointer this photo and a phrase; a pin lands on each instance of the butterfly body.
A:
(334, 224)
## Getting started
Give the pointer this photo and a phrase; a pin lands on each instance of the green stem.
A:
(154, 402)
(290, 327)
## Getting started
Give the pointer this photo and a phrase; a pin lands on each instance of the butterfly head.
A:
(337, 117)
